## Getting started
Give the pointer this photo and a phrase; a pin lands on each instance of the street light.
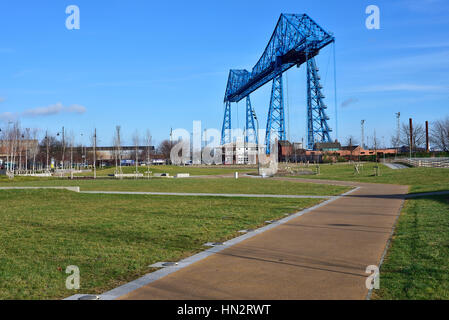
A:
(257, 140)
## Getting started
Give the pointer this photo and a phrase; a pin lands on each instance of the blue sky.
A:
(161, 65)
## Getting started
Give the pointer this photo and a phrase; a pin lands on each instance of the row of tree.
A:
(24, 150)
(438, 137)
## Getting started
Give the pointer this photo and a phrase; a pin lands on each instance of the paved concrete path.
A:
(320, 255)
(395, 166)
(232, 195)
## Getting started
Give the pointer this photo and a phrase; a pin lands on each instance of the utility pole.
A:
(119, 151)
(46, 140)
(375, 144)
(411, 137)
(257, 146)
(63, 147)
(95, 153)
(27, 140)
(398, 132)
(363, 133)
(71, 156)
(427, 137)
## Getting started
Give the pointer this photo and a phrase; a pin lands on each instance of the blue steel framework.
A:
(226, 128)
(295, 40)
(317, 128)
(276, 117)
(250, 133)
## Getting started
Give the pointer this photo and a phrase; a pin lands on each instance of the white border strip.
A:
(231, 195)
(151, 277)
(74, 189)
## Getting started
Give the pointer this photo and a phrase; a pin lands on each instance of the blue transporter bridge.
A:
(297, 39)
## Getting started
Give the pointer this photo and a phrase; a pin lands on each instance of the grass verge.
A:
(112, 238)
(419, 179)
(417, 263)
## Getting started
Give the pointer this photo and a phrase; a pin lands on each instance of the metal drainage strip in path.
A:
(214, 244)
(164, 264)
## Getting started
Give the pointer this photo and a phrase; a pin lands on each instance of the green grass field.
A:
(420, 179)
(112, 238)
(172, 170)
(417, 264)
(202, 185)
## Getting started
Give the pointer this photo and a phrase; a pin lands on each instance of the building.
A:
(239, 153)
(327, 146)
(285, 150)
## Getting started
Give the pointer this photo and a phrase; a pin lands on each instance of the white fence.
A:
(426, 162)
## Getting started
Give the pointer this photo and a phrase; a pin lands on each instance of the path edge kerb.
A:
(158, 274)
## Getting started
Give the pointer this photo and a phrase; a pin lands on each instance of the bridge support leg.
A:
(251, 133)
(226, 128)
(276, 117)
(318, 129)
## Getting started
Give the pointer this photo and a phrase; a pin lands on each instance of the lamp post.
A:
(257, 140)
(2, 145)
(46, 143)
(8, 159)
(27, 141)
(63, 146)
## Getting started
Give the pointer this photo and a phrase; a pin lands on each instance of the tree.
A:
(440, 134)
(164, 148)
(118, 153)
(136, 140)
(419, 135)
(148, 140)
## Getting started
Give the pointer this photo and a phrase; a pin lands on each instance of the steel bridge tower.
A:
(317, 127)
(276, 117)
(296, 40)
(226, 128)
(251, 134)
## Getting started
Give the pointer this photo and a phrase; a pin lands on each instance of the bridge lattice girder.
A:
(295, 38)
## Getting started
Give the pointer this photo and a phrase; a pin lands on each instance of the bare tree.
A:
(94, 153)
(71, 143)
(118, 151)
(136, 140)
(164, 148)
(148, 140)
(395, 141)
(440, 134)
(34, 150)
(419, 135)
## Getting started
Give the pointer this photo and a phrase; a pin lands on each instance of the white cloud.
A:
(438, 61)
(427, 6)
(425, 45)
(348, 102)
(7, 116)
(57, 108)
(404, 87)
